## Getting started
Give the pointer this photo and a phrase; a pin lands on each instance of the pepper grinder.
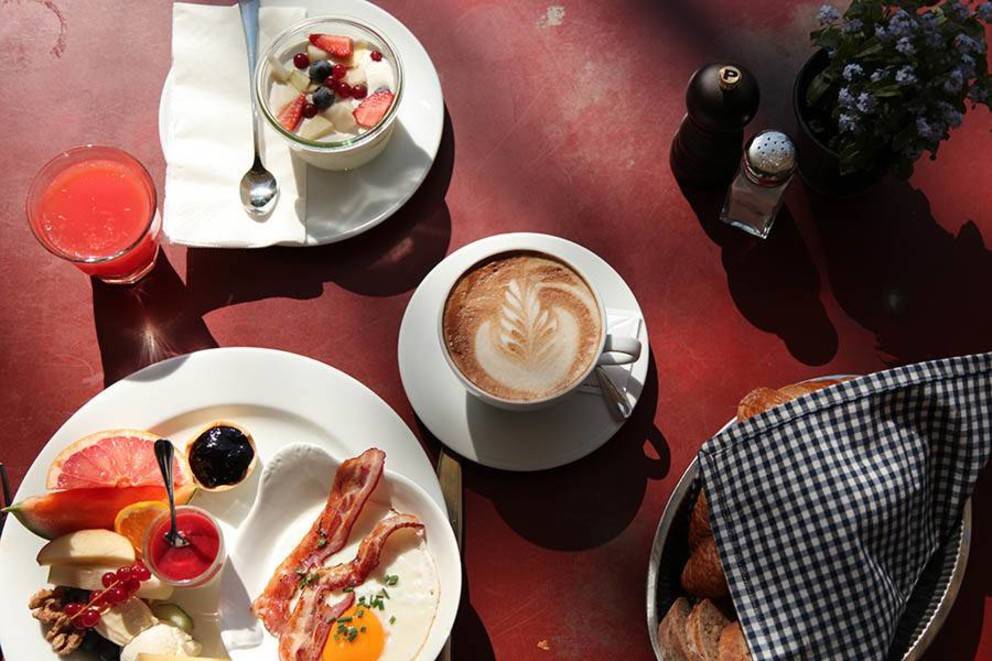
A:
(756, 194)
(720, 100)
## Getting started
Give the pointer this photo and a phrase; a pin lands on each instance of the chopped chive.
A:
(344, 619)
(348, 589)
(362, 629)
(392, 619)
(391, 579)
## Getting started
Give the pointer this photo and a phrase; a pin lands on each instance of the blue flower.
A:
(847, 123)
(853, 71)
(926, 130)
(954, 82)
(853, 25)
(879, 74)
(978, 94)
(906, 76)
(984, 12)
(955, 10)
(881, 33)
(905, 46)
(967, 66)
(902, 24)
(931, 30)
(952, 117)
(845, 98)
(867, 103)
(827, 14)
(966, 44)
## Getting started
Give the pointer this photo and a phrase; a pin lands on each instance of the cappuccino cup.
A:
(522, 329)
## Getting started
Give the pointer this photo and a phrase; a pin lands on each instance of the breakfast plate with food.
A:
(277, 457)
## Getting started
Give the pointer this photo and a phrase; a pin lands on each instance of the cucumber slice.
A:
(174, 615)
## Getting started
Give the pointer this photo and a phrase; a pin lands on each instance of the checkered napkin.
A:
(826, 509)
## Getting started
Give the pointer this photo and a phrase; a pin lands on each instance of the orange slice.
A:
(134, 520)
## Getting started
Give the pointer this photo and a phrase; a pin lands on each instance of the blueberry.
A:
(322, 98)
(320, 70)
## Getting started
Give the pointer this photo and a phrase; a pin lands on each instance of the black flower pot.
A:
(819, 166)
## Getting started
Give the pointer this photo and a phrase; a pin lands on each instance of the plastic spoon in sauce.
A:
(164, 452)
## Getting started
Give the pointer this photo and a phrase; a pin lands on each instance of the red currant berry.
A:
(309, 110)
(132, 585)
(359, 91)
(89, 618)
(123, 573)
(301, 61)
(99, 599)
(108, 579)
(376, 55)
(343, 89)
(116, 595)
(72, 609)
(339, 71)
(140, 571)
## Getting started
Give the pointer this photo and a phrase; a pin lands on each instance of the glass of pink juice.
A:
(96, 207)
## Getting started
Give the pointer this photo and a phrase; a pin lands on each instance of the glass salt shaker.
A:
(756, 193)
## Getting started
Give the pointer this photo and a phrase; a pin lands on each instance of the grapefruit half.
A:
(112, 458)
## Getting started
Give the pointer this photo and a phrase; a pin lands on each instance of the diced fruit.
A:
(301, 60)
(315, 54)
(316, 128)
(87, 547)
(343, 89)
(122, 622)
(371, 111)
(340, 115)
(309, 110)
(174, 615)
(60, 512)
(356, 76)
(134, 520)
(292, 113)
(321, 70)
(336, 45)
(359, 91)
(112, 458)
(376, 55)
(322, 98)
(279, 73)
(300, 81)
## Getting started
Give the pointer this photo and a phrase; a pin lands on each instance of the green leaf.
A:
(887, 91)
(871, 49)
(817, 87)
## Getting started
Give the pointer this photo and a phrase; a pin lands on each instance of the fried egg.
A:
(395, 605)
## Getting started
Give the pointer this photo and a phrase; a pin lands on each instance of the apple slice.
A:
(300, 81)
(315, 54)
(87, 547)
(316, 128)
(89, 578)
(279, 73)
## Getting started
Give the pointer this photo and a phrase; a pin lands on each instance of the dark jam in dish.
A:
(220, 456)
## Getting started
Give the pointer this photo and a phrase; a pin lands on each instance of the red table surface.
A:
(559, 121)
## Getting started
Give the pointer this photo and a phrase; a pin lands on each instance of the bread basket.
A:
(928, 606)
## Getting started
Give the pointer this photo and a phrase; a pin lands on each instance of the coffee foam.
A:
(522, 325)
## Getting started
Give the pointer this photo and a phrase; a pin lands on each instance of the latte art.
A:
(522, 326)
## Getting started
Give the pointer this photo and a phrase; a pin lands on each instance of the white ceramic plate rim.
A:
(417, 329)
(173, 387)
(427, 128)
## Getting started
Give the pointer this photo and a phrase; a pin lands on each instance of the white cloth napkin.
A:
(209, 134)
(619, 323)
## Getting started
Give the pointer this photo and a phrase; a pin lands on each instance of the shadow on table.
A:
(391, 259)
(773, 282)
(922, 290)
(589, 502)
(146, 322)
(960, 636)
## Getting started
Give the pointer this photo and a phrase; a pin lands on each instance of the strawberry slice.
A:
(336, 45)
(371, 111)
(292, 113)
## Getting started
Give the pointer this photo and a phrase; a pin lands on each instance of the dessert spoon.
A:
(259, 188)
(163, 453)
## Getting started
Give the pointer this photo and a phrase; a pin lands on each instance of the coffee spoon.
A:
(259, 188)
(163, 453)
(619, 406)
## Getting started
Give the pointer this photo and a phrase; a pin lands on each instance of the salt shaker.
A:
(756, 193)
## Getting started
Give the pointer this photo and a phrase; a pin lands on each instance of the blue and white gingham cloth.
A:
(826, 509)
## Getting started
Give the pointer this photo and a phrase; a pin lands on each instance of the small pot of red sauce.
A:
(191, 565)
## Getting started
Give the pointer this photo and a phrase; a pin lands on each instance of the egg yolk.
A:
(366, 645)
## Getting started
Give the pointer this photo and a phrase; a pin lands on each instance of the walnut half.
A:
(46, 607)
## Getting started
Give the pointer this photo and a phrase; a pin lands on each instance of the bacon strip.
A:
(354, 482)
(305, 634)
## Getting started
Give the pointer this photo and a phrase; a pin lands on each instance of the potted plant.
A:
(888, 83)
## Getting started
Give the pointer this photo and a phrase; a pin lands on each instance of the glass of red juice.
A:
(193, 564)
(96, 207)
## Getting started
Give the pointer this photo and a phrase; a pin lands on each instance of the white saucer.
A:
(530, 441)
(344, 204)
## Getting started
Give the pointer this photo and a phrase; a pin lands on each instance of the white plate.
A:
(291, 495)
(534, 440)
(281, 397)
(344, 204)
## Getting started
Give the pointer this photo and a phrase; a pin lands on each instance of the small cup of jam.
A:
(221, 456)
(194, 563)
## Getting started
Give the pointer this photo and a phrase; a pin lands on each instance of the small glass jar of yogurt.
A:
(331, 87)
